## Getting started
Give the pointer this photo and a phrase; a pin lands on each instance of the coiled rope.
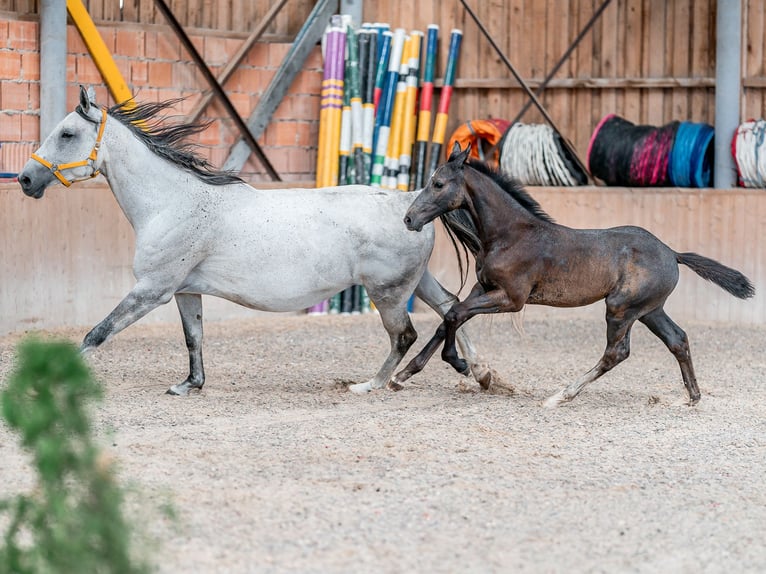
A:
(748, 147)
(678, 154)
(535, 155)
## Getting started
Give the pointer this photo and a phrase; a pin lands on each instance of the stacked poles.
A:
(440, 125)
(424, 113)
(375, 118)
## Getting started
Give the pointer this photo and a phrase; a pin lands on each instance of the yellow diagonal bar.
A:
(98, 51)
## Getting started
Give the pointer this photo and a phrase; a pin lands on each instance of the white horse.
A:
(200, 231)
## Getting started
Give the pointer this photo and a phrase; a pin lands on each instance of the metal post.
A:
(728, 89)
(52, 64)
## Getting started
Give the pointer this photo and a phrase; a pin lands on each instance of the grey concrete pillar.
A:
(53, 51)
(728, 88)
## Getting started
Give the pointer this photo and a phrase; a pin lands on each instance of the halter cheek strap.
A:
(91, 161)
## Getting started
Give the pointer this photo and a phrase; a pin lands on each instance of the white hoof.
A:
(360, 388)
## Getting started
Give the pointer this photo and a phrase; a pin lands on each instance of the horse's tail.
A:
(726, 278)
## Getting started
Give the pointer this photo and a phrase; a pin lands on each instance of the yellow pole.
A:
(98, 51)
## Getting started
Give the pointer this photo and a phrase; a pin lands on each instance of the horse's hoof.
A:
(360, 388)
(177, 391)
(394, 386)
(461, 366)
(693, 401)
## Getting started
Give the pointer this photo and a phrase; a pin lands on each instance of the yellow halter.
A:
(56, 169)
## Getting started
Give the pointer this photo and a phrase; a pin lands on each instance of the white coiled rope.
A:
(531, 155)
(750, 153)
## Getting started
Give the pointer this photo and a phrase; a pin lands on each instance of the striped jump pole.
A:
(426, 103)
(331, 105)
(440, 124)
(385, 108)
(391, 163)
(368, 70)
(410, 112)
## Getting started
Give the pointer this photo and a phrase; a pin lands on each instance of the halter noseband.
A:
(56, 169)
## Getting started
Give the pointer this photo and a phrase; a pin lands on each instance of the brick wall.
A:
(156, 67)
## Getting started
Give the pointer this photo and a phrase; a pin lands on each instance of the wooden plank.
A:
(656, 55)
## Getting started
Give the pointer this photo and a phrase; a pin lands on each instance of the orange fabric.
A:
(485, 132)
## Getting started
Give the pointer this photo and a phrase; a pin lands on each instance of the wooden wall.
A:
(650, 61)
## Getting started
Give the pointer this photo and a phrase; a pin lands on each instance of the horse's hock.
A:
(67, 260)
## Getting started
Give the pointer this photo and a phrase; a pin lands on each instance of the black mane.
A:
(513, 188)
(461, 227)
(143, 120)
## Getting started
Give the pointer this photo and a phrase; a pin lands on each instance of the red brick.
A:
(34, 96)
(307, 83)
(284, 110)
(215, 51)
(74, 42)
(30, 127)
(10, 65)
(258, 55)
(71, 66)
(186, 74)
(87, 73)
(108, 35)
(162, 46)
(302, 161)
(167, 94)
(314, 60)
(22, 35)
(10, 126)
(212, 135)
(3, 33)
(14, 95)
(130, 43)
(305, 107)
(139, 72)
(30, 66)
(160, 74)
(241, 103)
(277, 53)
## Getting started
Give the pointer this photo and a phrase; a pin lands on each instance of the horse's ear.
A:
(458, 156)
(84, 100)
(455, 151)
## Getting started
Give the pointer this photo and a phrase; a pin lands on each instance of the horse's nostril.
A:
(407, 219)
(25, 181)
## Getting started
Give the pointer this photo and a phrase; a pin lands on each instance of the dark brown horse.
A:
(524, 257)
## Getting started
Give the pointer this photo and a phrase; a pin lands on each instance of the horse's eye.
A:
(66, 135)
(438, 184)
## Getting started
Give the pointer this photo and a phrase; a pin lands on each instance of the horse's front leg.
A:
(190, 307)
(419, 362)
(142, 298)
(477, 302)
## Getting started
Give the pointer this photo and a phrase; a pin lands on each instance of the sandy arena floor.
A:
(275, 467)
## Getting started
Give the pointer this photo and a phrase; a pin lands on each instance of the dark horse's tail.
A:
(726, 278)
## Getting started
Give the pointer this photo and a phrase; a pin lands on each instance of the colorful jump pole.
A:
(410, 111)
(426, 102)
(368, 105)
(440, 124)
(384, 48)
(391, 163)
(386, 106)
(331, 104)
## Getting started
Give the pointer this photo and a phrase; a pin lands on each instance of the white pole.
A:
(728, 88)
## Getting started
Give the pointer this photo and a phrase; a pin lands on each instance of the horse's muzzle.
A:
(411, 224)
(31, 183)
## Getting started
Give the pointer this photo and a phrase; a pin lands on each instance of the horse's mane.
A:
(167, 141)
(461, 226)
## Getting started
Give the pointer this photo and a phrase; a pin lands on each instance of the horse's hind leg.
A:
(190, 307)
(678, 343)
(440, 300)
(617, 350)
(401, 333)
